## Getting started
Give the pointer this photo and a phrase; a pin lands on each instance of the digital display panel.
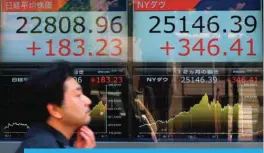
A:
(196, 73)
(197, 31)
(176, 103)
(106, 87)
(201, 103)
(76, 31)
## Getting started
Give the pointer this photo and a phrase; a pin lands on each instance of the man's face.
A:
(75, 109)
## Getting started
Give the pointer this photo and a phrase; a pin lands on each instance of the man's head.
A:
(58, 97)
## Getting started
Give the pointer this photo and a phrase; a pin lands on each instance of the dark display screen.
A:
(107, 88)
(202, 103)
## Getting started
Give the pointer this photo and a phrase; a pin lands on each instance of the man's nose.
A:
(87, 101)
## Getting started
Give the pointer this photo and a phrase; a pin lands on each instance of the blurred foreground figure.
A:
(62, 109)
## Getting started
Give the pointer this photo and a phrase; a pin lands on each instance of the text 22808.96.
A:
(66, 25)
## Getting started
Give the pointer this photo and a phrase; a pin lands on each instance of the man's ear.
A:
(54, 111)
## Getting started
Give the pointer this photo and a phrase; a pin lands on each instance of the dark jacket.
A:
(43, 136)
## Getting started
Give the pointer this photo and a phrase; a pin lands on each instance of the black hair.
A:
(46, 86)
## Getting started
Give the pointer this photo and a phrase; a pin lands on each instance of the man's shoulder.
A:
(41, 140)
